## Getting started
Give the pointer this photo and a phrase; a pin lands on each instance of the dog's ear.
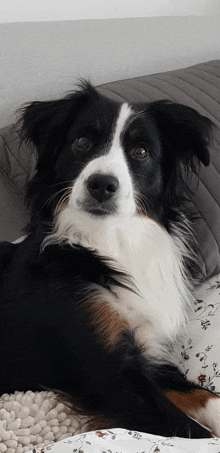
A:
(46, 124)
(41, 121)
(184, 133)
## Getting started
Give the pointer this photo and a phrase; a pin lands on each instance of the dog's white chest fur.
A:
(145, 251)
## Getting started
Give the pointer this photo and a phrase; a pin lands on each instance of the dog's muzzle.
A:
(101, 194)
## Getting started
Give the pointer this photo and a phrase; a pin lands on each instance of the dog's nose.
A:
(102, 187)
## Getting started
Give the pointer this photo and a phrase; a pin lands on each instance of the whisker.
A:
(63, 199)
(142, 204)
(47, 202)
(61, 182)
(54, 196)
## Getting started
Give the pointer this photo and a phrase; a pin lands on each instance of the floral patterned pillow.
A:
(198, 355)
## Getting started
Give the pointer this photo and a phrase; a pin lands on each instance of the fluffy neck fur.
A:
(144, 250)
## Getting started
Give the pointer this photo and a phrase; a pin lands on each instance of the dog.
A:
(95, 295)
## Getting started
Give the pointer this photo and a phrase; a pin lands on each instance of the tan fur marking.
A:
(63, 202)
(193, 400)
(99, 421)
(98, 125)
(90, 421)
(107, 322)
(133, 132)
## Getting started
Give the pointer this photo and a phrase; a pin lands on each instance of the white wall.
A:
(42, 60)
(49, 10)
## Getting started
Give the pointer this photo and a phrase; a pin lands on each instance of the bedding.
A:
(29, 421)
(124, 441)
(198, 353)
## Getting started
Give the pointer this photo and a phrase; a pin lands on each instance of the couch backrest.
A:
(197, 87)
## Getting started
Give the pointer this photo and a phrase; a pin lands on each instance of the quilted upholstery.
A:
(197, 87)
(17, 163)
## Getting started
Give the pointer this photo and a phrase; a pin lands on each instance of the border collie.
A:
(96, 294)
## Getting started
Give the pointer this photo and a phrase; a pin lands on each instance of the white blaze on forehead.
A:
(124, 114)
(112, 162)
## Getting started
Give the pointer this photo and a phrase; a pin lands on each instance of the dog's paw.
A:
(208, 415)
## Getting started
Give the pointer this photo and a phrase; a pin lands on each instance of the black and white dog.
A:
(94, 297)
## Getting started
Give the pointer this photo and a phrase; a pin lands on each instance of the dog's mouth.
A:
(103, 195)
(98, 209)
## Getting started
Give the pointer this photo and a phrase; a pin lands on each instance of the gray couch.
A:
(197, 87)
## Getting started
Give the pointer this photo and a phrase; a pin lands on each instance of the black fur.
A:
(47, 338)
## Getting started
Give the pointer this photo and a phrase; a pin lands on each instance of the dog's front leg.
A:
(200, 405)
(196, 402)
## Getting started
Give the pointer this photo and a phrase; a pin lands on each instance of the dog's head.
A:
(104, 158)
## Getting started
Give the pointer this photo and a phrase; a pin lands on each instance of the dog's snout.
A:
(102, 187)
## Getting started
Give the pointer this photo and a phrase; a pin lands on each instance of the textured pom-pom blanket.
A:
(29, 420)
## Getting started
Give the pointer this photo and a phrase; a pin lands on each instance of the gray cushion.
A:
(197, 87)
(17, 164)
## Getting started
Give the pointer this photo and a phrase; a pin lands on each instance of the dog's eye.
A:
(140, 152)
(82, 144)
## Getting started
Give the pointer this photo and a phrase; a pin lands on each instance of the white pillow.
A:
(198, 355)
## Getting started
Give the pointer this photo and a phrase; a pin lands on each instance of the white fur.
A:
(208, 416)
(137, 244)
(21, 239)
(113, 162)
(147, 253)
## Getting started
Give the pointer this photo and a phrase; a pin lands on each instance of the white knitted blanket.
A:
(29, 420)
